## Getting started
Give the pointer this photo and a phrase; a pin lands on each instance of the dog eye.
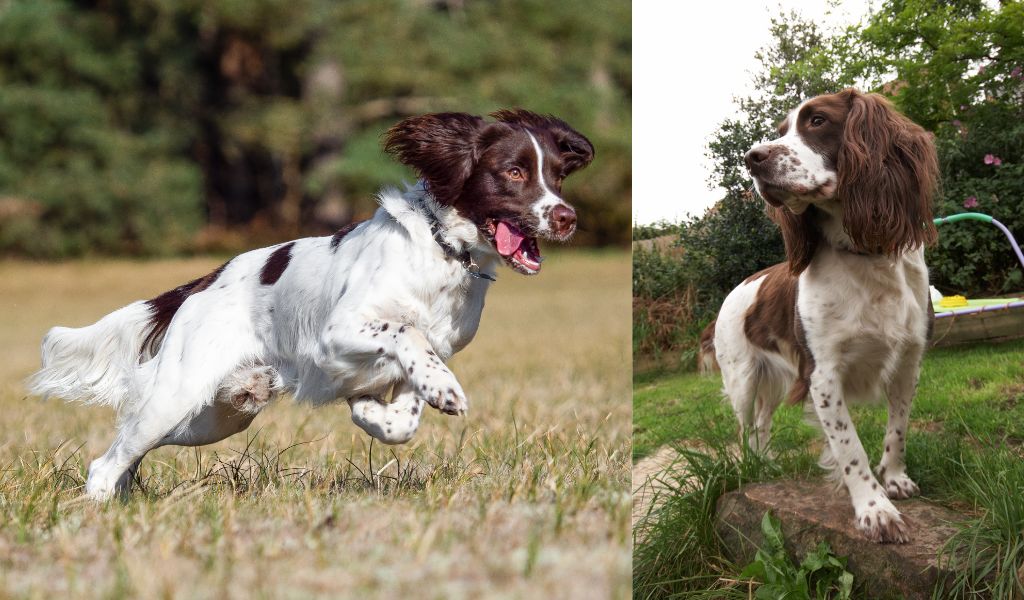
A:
(817, 120)
(515, 173)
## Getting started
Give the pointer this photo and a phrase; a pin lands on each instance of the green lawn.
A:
(965, 393)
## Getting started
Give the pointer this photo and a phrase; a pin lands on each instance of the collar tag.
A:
(464, 258)
(474, 270)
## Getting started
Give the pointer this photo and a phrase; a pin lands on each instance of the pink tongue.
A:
(507, 238)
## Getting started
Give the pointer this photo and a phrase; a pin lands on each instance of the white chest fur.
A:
(862, 313)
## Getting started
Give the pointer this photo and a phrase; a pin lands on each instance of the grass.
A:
(527, 496)
(965, 450)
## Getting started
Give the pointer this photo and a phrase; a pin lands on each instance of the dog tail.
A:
(94, 364)
(706, 363)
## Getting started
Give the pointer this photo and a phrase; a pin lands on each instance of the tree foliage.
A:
(152, 126)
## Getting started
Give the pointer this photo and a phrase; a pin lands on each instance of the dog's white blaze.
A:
(548, 200)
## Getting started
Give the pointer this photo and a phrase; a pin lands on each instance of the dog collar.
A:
(464, 258)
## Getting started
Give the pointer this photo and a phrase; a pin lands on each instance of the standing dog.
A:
(373, 311)
(846, 318)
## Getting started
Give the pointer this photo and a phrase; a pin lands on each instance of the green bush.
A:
(974, 258)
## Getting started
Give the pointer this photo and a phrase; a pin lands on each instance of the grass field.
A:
(965, 449)
(527, 496)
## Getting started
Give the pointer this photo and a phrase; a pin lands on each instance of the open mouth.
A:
(519, 250)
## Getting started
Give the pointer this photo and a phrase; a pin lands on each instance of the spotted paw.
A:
(897, 485)
(436, 385)
(388, 423)
(881, 522)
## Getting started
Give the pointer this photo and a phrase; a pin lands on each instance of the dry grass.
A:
(528, 496)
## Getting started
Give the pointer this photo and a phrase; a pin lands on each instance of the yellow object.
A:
(952, 301)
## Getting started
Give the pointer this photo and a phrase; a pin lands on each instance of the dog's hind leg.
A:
(124, 483)
(392, 423)
(177, 386)
(740, 384)
(240, 397)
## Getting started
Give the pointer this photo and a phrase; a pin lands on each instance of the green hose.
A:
(963, 217)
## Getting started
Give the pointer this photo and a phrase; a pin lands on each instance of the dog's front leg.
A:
(892, 469)
(427, 376)
(875, 514)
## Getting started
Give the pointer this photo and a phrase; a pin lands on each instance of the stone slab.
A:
(814, 511)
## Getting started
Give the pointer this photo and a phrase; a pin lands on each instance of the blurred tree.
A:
(128, 125)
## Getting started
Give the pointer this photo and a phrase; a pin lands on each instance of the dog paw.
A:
(384, 421)
(439, 388)
(897, 485)
(99, 487)
(882, 523)
(450, 400)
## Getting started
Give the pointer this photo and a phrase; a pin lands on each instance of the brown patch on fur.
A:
(163, 308)
(773, 318)
(341, 233)
(276, 263)
(888, 174)
(800, 235)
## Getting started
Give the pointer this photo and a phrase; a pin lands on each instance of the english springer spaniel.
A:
(373, 311)
(846, 318)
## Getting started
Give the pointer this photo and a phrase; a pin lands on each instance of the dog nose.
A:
(563, 219)
(756, 156)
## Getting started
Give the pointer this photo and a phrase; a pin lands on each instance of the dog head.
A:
(504, 175)
(856, 150)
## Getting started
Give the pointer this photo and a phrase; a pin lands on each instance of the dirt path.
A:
(646, 480)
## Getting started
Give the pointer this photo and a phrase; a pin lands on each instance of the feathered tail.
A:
(706, 363)
(94, 364)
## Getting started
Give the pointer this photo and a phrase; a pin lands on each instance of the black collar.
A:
(464, 257)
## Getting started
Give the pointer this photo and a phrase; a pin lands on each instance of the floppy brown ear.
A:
(575, 149)
(799, 234)
(441, 147)
(888, 174)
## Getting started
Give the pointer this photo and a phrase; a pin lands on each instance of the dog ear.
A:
(441, 147)
(799, 234)
(888, 175)
(575, 149)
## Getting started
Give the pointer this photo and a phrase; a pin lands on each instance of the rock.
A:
(813, 511)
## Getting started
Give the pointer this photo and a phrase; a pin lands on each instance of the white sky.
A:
(690, 59)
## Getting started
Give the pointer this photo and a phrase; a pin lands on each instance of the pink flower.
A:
(992, 159)
(970, 202)
(1015, 72)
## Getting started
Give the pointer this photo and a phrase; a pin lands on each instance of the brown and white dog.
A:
(371, 312)
(846, 318)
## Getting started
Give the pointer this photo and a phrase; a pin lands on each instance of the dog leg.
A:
(741, 387)
(427, 375)
(392, 423)
(240, 397)
(761, 434)
(124, 484)
(892, 469)
(875, 515)
(242, 394)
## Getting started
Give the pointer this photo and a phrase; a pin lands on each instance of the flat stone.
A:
(814, 511)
